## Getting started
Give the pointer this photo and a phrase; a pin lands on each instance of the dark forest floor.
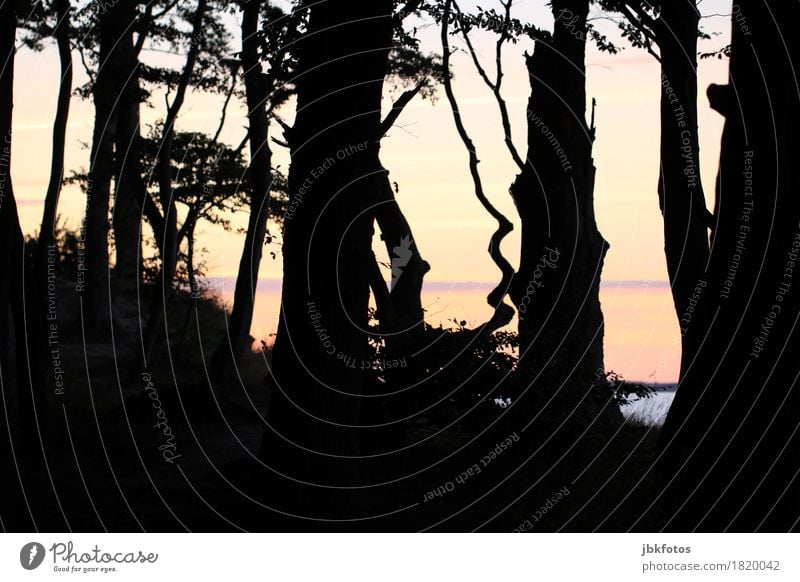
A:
(110, 467)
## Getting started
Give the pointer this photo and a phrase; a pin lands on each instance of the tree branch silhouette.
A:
(503, 312)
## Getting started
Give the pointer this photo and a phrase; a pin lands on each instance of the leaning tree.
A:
(729, 449)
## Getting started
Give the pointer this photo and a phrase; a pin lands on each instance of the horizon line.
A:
(266, 284)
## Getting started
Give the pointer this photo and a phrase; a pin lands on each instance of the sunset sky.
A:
(427, 160)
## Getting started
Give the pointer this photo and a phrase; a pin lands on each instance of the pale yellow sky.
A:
(427, 159)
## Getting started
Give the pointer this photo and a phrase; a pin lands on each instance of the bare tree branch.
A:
(504, 226)
(224, 113)
(88, 69)
(495, 86)
(398, 106)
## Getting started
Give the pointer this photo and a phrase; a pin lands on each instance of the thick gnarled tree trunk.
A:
(556, 287)
(730, 453)
(322, 341)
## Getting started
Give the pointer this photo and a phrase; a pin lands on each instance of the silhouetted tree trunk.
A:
(130, 186)
(108, 85)
(409, 268)
(321, 342)
(132, 201)
(44, 323)
(729, 451)
(680, 191)
(405, 310)
(401, 317)
(43, 330)
(674, 31)
(8, 213)
(191, 275)
(169, 234)
(15, 440)
(556, 287)
(47, 230)
(260, 176)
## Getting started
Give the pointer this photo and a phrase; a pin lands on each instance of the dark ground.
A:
(105, 471)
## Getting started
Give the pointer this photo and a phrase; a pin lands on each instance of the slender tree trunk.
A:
(401, 317)
(47, 230)
(46, 329)
(321, 343)
(680, 191)
(169, 235)
(16, 440)
(562, 252)
(43, 324)
(8, 213)
(192, 276)
(408, 266)
(729, 453)
(260, 175)
(93, 281)
(43, 330)
(403, 311)
(130, 187)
